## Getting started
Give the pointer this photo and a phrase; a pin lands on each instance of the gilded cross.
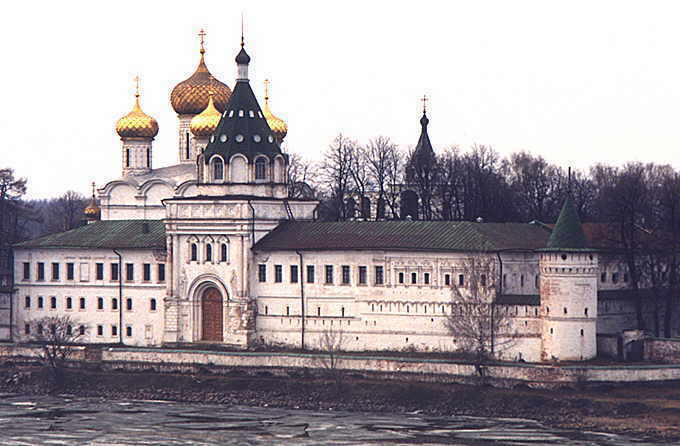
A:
(93, 188)
(202, 35)
(424, 101)
(136, 86)
(266, 89)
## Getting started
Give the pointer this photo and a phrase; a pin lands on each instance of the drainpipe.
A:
(252, 223)
(302, 302)
(120, 296)
(493, 303)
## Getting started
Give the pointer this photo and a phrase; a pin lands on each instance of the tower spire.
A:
(242, 40)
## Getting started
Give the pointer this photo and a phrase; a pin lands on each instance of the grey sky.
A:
(577, 82)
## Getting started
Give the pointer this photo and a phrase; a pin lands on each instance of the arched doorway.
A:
(212, 315)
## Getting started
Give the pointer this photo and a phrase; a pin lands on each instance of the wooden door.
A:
(211, 310)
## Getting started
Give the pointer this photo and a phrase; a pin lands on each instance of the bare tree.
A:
(65, 212)
(301, 174)
(335, 172)
(384, 164)
(331, 343)
(361, 176)
(57, 336)
(476, 323)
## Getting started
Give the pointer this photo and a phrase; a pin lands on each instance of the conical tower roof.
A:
(243, 127)
(567, 235)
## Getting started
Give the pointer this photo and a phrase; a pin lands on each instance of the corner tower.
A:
(568, 289)
(137, 131)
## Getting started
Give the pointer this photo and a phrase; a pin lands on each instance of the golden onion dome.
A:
(204, 124)
(276, 124)
(137, 124)
(92, 211)
(190, 97)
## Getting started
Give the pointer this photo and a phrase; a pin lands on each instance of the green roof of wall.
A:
(108, 234)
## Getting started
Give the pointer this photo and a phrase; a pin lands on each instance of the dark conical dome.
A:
(567, 233)
(243, 128)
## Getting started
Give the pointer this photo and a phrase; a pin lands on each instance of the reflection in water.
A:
(65, 420)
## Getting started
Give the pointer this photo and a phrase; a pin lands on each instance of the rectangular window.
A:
(329, 274)
(114, 330)
(27, 302)
(414, 278)
(27, 270)
(100, 303)
(99, 271)
(483, 280)
(447, 279)
(379, 275)
(262, 273)
(293, 273)
(278, 273)
(114, 271)
(461, 280)
(41, 302)
(521, 280)
(114, 304)
(615, 277)
(603, 277)
(128, 304)
(146, 269)
(53, 302)
(310, 274)
(161, 272)
(70, 271)
(27, 328)
(401, 278)
(82, 303)
(345, 274)
(129, 271)
(55, 271)
(41, 271)
(426, 278)
(100, 330)
(69, 303)
(362, 275)
(128, 331)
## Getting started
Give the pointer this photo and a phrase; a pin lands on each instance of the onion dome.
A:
(278, 125)
(204, 124)
(92, 211)
(190, 97)
(137, 124)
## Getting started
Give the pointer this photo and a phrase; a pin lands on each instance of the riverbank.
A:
(642, 410)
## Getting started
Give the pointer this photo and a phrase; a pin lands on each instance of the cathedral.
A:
(212, 250)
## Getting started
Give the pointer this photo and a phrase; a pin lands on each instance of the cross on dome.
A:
(424, 100)
(201, 35)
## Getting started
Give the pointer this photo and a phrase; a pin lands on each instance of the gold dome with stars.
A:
(190, 97)
(276, 124)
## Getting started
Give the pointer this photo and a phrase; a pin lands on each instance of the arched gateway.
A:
(212, 315)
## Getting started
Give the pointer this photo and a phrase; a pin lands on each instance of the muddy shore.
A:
(650, 411)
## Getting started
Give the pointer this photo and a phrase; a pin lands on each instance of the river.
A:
(68, 420)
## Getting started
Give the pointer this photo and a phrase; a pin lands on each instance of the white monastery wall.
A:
(93, 302)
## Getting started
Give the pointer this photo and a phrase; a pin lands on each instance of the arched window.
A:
(260, 169)
(187, 145)
(218, 169)
(194, 252)
(208, 252)
(224, 252)
(153, 305)
(127, 157)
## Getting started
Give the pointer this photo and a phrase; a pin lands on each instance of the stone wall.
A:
(666, 350)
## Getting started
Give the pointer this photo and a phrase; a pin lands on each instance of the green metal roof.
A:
(107, 234)
(405, 235)
(568, 232)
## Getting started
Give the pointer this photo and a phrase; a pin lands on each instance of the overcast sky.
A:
(576, 82)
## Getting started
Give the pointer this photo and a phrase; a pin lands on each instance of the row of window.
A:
(208, 252)
(98, 271)
(69, 303)
(615, 277)
(81, 329)
(218, 168)
(345, 274)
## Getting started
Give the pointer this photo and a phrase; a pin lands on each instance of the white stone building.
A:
(212, 250)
